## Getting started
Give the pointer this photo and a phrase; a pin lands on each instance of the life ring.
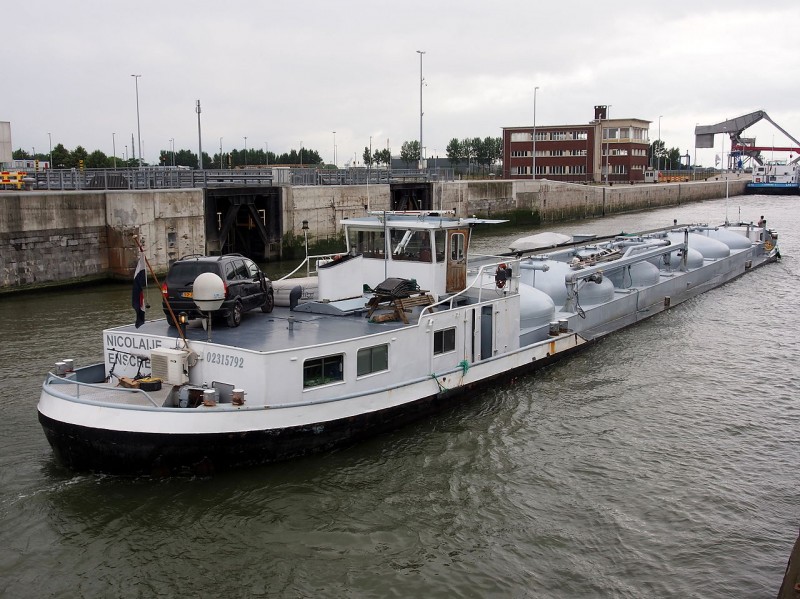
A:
(768, 246)
(500, 275)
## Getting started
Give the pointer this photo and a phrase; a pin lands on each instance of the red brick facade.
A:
(579, 153)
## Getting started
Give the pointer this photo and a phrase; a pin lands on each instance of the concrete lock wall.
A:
(325, 206)
(49, 238)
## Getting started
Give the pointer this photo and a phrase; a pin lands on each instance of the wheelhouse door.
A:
(457, 246)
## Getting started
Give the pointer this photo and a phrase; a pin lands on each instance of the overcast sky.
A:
(285, 72)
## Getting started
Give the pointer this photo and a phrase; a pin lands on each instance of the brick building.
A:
(614, 150)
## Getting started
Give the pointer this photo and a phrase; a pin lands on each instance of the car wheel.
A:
(269, 304)
(235, 315)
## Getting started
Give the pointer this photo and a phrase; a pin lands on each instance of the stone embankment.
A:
(57, 238)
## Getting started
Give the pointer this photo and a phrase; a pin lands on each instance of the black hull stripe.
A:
(83, 449)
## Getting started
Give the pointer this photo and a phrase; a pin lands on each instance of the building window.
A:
(556, 152)
(577, 153)
(520, 153)
(580, 135)
(558, 135)
(522, 170)
(542, 136)
(557, 170)
(618, 169)
(541, 170)
(611, 133)
(444, 341)
(372, 359)
(521, 136)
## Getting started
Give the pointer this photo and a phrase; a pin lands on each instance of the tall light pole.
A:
(266, 153)
(245, 151)
(199, 139)
(334, 148)
(421, 83)
(50, 137)
(694, 160)
(533, 166)
(220, 153)
(658, 166)
(172, 149)
(113, 148)
(301, 153)
(138, 126)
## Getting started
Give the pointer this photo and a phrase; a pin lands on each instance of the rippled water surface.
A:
(662, 462)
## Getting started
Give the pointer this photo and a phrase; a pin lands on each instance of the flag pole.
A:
(166, 300)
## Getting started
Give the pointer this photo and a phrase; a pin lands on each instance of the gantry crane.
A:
(745, 146)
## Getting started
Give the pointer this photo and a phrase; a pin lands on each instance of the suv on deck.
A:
(246, 287)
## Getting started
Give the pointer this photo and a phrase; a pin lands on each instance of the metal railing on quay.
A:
(181, 178)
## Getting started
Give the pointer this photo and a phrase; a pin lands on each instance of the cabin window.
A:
(440, 237)
(444, 341)
(457, 243)
(323, 371)
(410, 245)
(372, 359)
(369, 243)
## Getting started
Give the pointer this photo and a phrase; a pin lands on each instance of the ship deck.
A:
(271, 332)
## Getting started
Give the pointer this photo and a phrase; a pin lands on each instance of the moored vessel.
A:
(399, 325)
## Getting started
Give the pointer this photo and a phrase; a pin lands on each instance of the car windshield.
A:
(184, 273)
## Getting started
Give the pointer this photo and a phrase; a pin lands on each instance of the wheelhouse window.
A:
(323, 371)
(372, 359)
(444, 341)
(457, 244)
(369, 243)
(410, 244)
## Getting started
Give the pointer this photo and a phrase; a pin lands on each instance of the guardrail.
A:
(179, 178)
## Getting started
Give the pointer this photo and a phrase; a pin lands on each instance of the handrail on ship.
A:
(54, 379)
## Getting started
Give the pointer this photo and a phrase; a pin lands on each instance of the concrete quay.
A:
(57, 238)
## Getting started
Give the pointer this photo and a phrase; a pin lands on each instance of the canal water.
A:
(661, 462)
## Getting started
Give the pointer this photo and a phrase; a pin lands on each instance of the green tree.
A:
(97, 159)
(409, 152)
(20, 154)
(467, 151)
(493, 146)
(367, 157)
(656, 153)
(382, 156)
(78, 154)
(454, 151)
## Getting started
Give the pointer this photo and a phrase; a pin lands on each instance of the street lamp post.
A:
(266, 154)
(50, 138)
(533, 166)
(138, 125)
(220, 153)
(113, 149)
(172, 149)
(421, 83)
(334, 148)
(199, 139)
(658, 165)
(245, 151)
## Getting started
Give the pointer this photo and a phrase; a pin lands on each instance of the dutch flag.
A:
(139, 283)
